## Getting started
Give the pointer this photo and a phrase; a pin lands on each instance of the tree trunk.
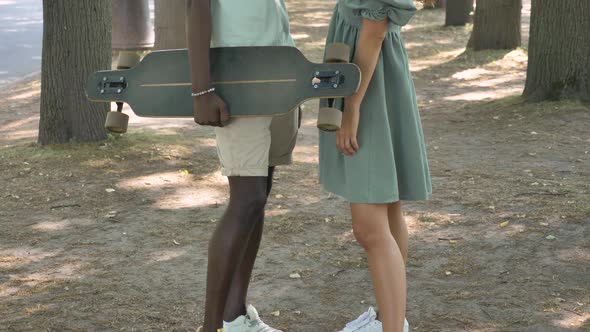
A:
(76, 42)
(559, 50)
(496, 25)
(170, 24)
(458, 12)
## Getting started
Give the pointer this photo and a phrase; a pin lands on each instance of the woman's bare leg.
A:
(370, 223)
(398, 227)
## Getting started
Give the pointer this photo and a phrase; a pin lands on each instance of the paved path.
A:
(21, 34)
(21, 39)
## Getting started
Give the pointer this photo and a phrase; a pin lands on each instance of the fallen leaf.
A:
(110, 190)
(504, 224)
(448, 273)
(550, 237)
(295, 276)
(278, 196)
(276, 313)
(175, 242)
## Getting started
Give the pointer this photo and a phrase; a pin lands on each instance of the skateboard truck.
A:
(111, 86)
(327, 79)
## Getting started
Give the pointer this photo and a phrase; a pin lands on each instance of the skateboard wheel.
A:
(128, 59)
(329, 119)
(116, 122)
(337, 52)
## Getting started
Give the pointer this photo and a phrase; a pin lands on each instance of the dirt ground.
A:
(113, 236)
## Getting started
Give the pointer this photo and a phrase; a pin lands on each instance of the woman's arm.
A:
(366, 56)
(208, 109)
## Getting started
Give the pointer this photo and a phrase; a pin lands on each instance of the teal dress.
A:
(391, 164)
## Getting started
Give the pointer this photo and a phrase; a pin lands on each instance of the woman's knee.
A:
(369, 237)
(371, 227)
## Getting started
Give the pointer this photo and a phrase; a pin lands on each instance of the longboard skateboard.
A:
(253, 81)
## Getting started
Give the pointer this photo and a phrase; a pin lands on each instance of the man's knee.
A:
(248, 195)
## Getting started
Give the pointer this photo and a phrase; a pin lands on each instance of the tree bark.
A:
(497, 25)
(559, 51)
(170, 24)
(458, 12)
(76, 42)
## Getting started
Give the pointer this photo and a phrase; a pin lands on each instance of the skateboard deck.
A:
(253, 81)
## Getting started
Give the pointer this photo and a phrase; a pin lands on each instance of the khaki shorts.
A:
(247, 146)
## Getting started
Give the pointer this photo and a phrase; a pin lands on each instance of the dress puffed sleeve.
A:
(398, 11)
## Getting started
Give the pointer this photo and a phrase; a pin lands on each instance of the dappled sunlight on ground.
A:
(47, 275)
(166, 255)
(482, 95)
(21, 136)
(17, 257)
(182, 198)
(26, 95)
(49, 226)
(435, 59)
(156, 181)
(573, 320)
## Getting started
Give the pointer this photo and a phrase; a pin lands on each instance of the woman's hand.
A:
(210, 110)
(346, 140)
(366, 57)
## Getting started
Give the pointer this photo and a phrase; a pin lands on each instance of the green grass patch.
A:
(123, 145)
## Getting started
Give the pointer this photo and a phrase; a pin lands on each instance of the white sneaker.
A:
(367, 322)
(250, 322)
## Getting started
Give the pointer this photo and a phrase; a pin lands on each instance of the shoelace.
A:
(260, 326)
(361, 321)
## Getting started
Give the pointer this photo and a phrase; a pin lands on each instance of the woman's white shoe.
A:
(367, 322)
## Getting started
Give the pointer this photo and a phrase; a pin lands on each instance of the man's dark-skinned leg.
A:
(236, 301)
(230, 245)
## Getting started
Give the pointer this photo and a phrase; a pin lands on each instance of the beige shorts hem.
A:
(244, 171)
